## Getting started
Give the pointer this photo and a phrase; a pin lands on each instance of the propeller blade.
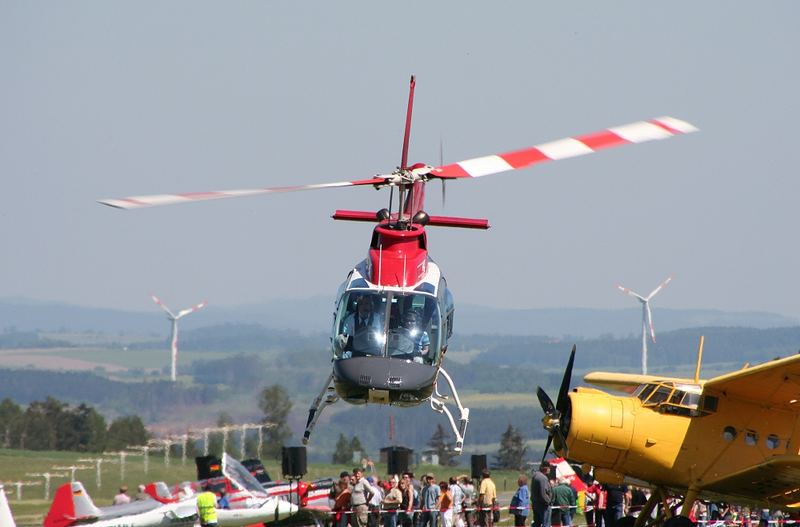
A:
(631, 293)
(139, 202)
(547, 446)
(162, 305)
(638, 132)
(563, 392)
(544, 400)
(560, 441)
(661, 286)
(650, 322)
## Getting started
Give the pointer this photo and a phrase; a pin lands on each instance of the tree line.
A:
(55, 425)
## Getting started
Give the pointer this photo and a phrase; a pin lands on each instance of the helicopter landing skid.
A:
(438, 405)
(325, 398)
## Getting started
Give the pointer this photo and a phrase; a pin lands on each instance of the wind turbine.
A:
(647, 316)
(174, 319)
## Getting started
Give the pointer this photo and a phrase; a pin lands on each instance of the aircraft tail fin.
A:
(70, 504)
(159, 491)
(6, 518)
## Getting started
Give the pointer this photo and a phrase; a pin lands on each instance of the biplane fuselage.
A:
(737, 435)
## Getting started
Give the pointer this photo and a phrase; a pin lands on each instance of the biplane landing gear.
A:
(438, 405)
(325, 398)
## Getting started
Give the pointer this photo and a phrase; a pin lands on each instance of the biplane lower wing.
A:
(776, 481)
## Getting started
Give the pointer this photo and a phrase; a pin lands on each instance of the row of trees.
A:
(54, 425)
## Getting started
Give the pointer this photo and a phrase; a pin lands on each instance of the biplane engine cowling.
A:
(601, 426)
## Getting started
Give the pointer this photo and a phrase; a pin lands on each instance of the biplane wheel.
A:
(679, 521)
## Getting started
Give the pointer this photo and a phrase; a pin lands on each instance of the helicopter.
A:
(394, 312)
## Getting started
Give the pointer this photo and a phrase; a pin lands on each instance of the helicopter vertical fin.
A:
(6, 518)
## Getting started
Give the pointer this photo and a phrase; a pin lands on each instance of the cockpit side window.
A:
(661, 394)
(644, 391)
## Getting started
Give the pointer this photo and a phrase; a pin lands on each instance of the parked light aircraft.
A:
(735, 437)
(6, 518)
(72, 506)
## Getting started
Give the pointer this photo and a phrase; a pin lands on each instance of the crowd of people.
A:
(402, 500)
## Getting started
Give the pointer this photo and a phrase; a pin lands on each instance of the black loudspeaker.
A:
(398, 460)
(208, 467)
(293, 462)
(478, 464)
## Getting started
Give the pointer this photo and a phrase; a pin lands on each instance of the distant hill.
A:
(313, 315)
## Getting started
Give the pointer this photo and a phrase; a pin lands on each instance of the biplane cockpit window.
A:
(388, 323)
(670, 398)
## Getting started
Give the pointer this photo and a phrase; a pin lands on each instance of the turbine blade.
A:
(162, 306)
(661, 286)
(631, 292)
(192, 309)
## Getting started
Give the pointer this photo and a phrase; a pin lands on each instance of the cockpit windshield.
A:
(672, 398)
(388, 324)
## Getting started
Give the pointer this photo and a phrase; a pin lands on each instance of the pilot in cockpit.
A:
(410, 340)
(362, 330)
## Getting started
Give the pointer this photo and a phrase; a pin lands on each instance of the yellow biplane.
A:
(735, 437)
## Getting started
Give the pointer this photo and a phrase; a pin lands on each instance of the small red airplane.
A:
(394, 312)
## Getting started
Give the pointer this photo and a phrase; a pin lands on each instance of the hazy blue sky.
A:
(108, 99)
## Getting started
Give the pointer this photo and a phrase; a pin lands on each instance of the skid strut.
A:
(438, 405)
(325, 398)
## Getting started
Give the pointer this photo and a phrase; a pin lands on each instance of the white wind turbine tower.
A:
(174, 319)
(647, 316)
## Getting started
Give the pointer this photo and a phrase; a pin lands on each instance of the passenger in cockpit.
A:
(363, 329)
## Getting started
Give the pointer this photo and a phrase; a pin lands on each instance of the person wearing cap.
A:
(428, 499)
(487, 499)
(340, 495)
(374, 503)
(122, 498)
(541, 496)
(207, 507)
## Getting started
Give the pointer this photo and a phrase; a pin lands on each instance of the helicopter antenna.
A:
(404, 159)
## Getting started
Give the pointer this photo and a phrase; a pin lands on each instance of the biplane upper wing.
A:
(776, 480)
(775, 383)
(627, 382)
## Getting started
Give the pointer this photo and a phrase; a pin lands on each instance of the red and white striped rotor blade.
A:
(661, 286)
(162, 305)
(192, 309)
(639, 132)
(630, 292)
(139, 202)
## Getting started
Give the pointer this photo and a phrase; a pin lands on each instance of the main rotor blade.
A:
(544, 400)
(139, 202)
(563, 392)
(638, 132)
(631, 293)
(661, 286)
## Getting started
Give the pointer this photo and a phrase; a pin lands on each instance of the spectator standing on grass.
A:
(563, 502)
(445, 504)
(361, 495)
(428, 502)
(487, 499)
(392, 502)
(406, 515)
(541, 496)
(458, 502)
(469, 499)
(519, 502)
